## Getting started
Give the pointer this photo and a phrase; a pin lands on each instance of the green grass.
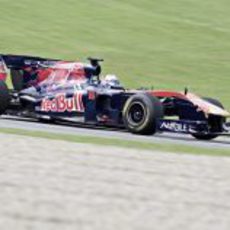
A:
(176, 148)
(161, 43)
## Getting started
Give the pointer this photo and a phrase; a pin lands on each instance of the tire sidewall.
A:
(148, 126)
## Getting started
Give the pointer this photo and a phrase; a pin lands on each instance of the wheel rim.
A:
(136, 114)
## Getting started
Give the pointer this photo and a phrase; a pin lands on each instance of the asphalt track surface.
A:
(221, 142)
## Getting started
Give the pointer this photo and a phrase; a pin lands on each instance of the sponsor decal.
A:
(62, 104)
(174, 126)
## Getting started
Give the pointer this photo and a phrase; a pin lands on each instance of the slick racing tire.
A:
(4, 97)
(140, 114)
(215, 122)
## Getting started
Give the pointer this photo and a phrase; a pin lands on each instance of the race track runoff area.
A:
(48, 184)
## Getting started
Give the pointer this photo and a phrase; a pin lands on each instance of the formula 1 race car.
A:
(56, 90)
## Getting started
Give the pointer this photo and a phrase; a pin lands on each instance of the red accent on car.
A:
(167, 94)
(91, 95)
(3, 73)
(43, 74)
(3, 76)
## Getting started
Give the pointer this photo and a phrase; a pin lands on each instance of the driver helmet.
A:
(111, 80)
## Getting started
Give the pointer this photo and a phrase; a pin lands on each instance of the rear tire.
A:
(215, 122)
(17, 79)
(141, 112)
(4, 97)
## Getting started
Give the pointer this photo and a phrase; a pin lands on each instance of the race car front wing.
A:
(189, 127)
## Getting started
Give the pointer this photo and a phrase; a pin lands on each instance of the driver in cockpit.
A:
(111, 82)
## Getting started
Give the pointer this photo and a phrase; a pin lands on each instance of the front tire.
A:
(141, 112)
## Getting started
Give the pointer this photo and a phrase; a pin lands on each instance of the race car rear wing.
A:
(22, 68)
(22, 61)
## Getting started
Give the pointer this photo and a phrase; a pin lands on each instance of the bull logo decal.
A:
(60, 103)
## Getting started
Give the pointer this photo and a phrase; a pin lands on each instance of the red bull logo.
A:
(61, 104)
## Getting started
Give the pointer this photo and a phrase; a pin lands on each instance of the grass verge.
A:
(176, 148)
